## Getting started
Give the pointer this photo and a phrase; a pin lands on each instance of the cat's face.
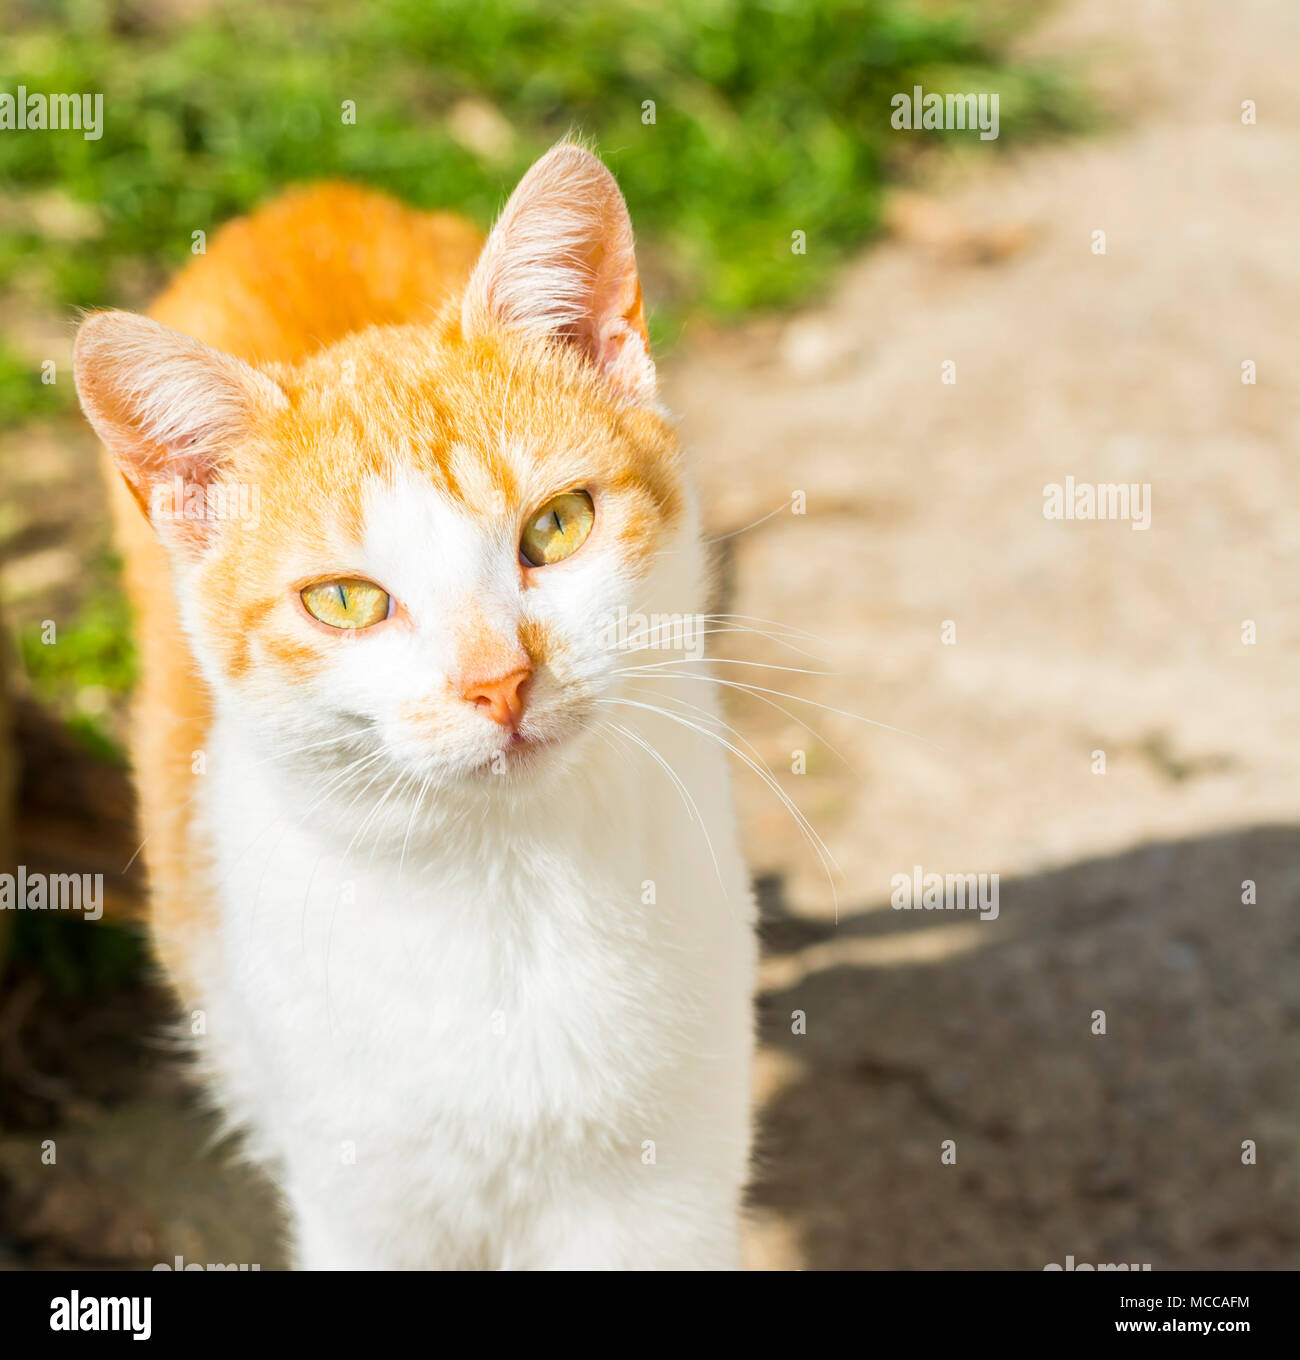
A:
(417, 541)
(448, 519)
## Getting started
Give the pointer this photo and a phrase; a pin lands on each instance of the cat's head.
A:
(421, 537)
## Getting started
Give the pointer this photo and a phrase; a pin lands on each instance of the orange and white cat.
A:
(462, 919)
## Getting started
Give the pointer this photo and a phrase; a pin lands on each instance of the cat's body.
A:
(469, 965)
(494, 1054)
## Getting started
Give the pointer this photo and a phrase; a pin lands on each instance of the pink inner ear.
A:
(165, 405)
(560, 262)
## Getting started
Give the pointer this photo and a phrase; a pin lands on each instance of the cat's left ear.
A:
(169, 409)
(559, 263)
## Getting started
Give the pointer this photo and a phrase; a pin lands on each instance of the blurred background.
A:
(907, 335)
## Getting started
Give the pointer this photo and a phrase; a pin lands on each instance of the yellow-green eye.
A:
(558, 529)
(346, 603)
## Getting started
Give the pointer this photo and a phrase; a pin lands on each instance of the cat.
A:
(457, 915)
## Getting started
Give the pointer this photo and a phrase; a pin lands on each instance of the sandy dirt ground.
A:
(1003, 651)
(1120, 891)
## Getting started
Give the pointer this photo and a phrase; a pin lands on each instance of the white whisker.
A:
(819, 846)
(683, 791)
(756, 690)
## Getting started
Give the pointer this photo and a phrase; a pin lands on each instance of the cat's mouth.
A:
(519, 751)
(535, 742)
(523, 741)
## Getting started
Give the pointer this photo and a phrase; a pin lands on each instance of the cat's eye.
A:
(558, 529)
(348, 602)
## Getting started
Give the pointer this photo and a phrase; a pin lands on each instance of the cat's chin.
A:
(539, 753)
(554, 742)
(522, 752)
(520, 743)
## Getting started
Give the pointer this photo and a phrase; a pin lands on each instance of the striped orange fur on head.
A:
(409, 456)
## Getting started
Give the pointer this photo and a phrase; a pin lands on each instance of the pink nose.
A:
(503, 698)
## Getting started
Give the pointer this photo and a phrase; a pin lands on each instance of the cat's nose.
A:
(503, 698)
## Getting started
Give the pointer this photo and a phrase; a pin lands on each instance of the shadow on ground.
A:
(925, 1026)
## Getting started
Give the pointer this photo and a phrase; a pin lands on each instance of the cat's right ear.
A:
(168, 409)
(560, 263)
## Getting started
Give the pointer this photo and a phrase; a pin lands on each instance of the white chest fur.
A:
(518, 1036)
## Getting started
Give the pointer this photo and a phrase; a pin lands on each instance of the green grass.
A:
(73, 960)
(771, 116)
(23, 396)
(94, 652)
